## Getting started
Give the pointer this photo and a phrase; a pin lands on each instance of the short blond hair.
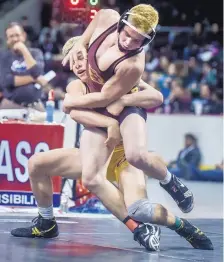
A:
(69, 44)
(144, 18)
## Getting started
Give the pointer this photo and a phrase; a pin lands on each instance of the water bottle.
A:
(64, 203)
(50, 105)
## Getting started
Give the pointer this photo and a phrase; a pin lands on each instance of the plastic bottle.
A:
(50, 105)
(64, 203)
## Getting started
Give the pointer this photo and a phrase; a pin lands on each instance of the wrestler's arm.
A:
(149, 97)
(92, 119)
(86, 117)
(102, 19)
(118, 85)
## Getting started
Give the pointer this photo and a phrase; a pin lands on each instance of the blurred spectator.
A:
(214, 35)
(31, 34)
(46, 13)
(180, 98)
(53, 34)
(48, 47)
(193, 73)
(20, 68)
(196, 41)
(197, 37)
(209, 76)
(216, 106)
(188, 160)
(210, 102)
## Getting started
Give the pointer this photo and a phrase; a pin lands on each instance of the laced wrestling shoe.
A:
(148, 236)
(180, 193)
(46, 228)
(194, 236)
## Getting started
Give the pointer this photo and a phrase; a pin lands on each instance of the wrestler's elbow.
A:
(75, 115)
(156, 98)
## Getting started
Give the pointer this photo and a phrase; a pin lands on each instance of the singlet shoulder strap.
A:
(87, 88)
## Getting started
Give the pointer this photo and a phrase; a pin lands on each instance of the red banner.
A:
(18, 142)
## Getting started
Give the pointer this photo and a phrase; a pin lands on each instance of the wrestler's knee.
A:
(35, 164)
(136, 157)
(91, 181)
(142, 211)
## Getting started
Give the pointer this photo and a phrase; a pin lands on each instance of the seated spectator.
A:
(193, 72)
(48, 47)
(31, 34)
(214, 35)
(20, 69)
(196, 41)
(209, 76)
(188, 160)
(179, 98)
(168, 72)
(216, 107)
(55, 33)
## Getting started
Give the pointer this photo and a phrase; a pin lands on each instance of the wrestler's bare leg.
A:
(136, 152)
(42, 166)
(135, 144)
(133, 186)
(95, 154)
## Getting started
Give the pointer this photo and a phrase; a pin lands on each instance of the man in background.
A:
(188, 160)
(20, 69)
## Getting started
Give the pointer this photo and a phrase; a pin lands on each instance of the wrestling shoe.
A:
(148, 236)
(46, 228)
(194, 236)
(180, 193)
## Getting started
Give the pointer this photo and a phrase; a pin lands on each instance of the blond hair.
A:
(69, 44)
(144, 18)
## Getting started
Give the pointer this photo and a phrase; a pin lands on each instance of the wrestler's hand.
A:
(78, 52)
(113, 135)
(116, 107)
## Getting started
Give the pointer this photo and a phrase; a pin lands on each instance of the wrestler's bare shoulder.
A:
(76, 84)
(134, 63)
(139, 58)
(107, 17)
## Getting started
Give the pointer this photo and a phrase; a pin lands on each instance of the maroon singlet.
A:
(96, 77)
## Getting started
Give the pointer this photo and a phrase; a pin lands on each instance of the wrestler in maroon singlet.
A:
(97, 78)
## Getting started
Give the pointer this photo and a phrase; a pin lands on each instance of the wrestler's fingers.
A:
(84, 51)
